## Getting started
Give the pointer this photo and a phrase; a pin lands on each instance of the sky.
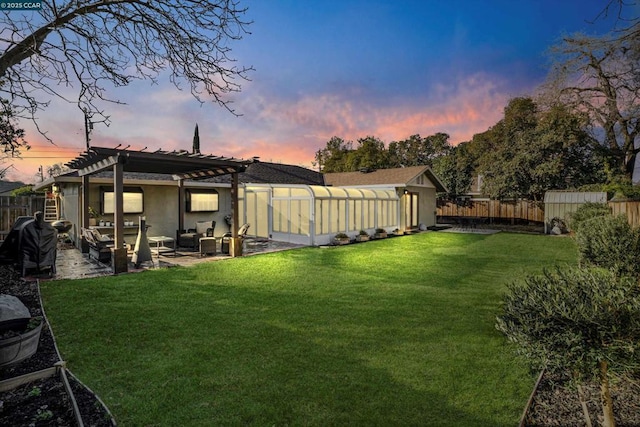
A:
(346, 68)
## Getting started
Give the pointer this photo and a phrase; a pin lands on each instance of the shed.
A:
(560, 204)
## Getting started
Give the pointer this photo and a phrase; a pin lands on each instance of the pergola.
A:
(180, 164)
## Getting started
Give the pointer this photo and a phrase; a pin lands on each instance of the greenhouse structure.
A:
(313, 214)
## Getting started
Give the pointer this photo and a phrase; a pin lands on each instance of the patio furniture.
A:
(226, 238)
(207, 245)
(191, 239)
(100, 245)
(161, 245)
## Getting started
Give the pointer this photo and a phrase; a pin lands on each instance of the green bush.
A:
(586, 212)
(610, 242)
(573, 319)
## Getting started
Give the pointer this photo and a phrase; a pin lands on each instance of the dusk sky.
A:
(348, 68)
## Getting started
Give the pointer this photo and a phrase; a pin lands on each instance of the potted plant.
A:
(341, 239)
(398, 232)
(381, 233)
(362, 236)
(93, 216)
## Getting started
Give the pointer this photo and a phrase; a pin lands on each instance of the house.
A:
(281, 202)
(415, 186)
(155, 197)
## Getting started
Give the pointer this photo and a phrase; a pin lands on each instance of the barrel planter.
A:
(17, 348)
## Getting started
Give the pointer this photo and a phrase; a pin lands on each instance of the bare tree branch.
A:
(91, 45)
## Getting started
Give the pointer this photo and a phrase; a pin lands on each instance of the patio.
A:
(72, 264)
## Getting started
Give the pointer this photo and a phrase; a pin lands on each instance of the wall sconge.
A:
(406, 191)
(55, 188)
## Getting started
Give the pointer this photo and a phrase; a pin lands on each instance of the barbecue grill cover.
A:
(31, 244)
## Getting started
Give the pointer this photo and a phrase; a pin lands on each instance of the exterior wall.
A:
(160, 210)
(426, 206)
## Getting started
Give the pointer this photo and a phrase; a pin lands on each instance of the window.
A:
(202, 200)
(132, 200)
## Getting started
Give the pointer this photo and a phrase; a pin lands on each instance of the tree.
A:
(11, 136)
(333, 158)
(455, 170)
(418, 151)
(96, 42)
(532, 150)
(370, 154)
(586, 321)
(599, 76)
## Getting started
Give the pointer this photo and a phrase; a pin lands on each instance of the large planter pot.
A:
(17, 348)
(361, 238)
(380, 235)
(342, 241)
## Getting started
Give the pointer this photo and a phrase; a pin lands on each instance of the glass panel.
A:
(294, 225)
(319, 191)
(202, 202)
(304, 217)
(354, 194)
(333, 217)
(280, 216)
(369, 194)
(131, 202)
(299, 192)
(280, 192)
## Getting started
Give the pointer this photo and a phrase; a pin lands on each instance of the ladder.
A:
(51, 208)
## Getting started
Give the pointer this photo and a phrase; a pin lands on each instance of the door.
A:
(411, 210)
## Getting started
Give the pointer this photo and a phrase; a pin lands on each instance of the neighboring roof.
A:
(8, 186)
(571, 197)
(274, 173)
(395, 176)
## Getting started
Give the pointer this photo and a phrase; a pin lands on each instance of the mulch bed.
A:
(43, 402)
(556, 403)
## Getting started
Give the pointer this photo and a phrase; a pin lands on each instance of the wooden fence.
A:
(524, 210)
(629, 208)
(13, 207)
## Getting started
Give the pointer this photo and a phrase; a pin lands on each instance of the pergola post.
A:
(84, 215)
(235, 247)
(119, 252)
(181, 207)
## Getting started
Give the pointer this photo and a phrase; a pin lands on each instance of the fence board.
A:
(629, 208)
(13, 207)
(493, 209)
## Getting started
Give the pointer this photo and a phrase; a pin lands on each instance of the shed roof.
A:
(575, 197)
(394, 176)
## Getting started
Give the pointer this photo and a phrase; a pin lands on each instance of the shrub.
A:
(586, 321)
(586, 212)
(610, 242)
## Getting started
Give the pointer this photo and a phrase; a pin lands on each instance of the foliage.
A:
(619, 187)
(27, 190)
(455, 170)
(93, 213)
(92, 42)
(582, 320)
(573, 318)
(339, 155)
(363, 233)
(344, 330)
(610, 242)
(341, 236)
(532, 150)
(586, 212)
(11, 136)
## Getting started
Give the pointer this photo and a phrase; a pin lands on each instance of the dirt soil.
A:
(42, 402)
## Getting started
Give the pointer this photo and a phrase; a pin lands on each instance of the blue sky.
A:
(349, 68)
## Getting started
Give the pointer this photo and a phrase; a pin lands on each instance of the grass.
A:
(392, 332)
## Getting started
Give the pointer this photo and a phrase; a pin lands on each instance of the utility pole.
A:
(88, 127)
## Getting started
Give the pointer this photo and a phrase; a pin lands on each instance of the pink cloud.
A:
(275, 129)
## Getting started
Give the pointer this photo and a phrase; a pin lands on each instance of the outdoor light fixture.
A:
(55, 188)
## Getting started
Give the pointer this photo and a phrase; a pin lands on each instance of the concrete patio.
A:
(72, 264)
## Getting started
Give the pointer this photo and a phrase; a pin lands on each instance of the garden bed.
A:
(556, 403)
(44, 401)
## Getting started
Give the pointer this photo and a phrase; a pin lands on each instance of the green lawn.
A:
(392, 332)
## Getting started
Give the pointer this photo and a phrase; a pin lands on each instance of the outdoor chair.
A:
(226, 237)
(100, 245)
(191, 239)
